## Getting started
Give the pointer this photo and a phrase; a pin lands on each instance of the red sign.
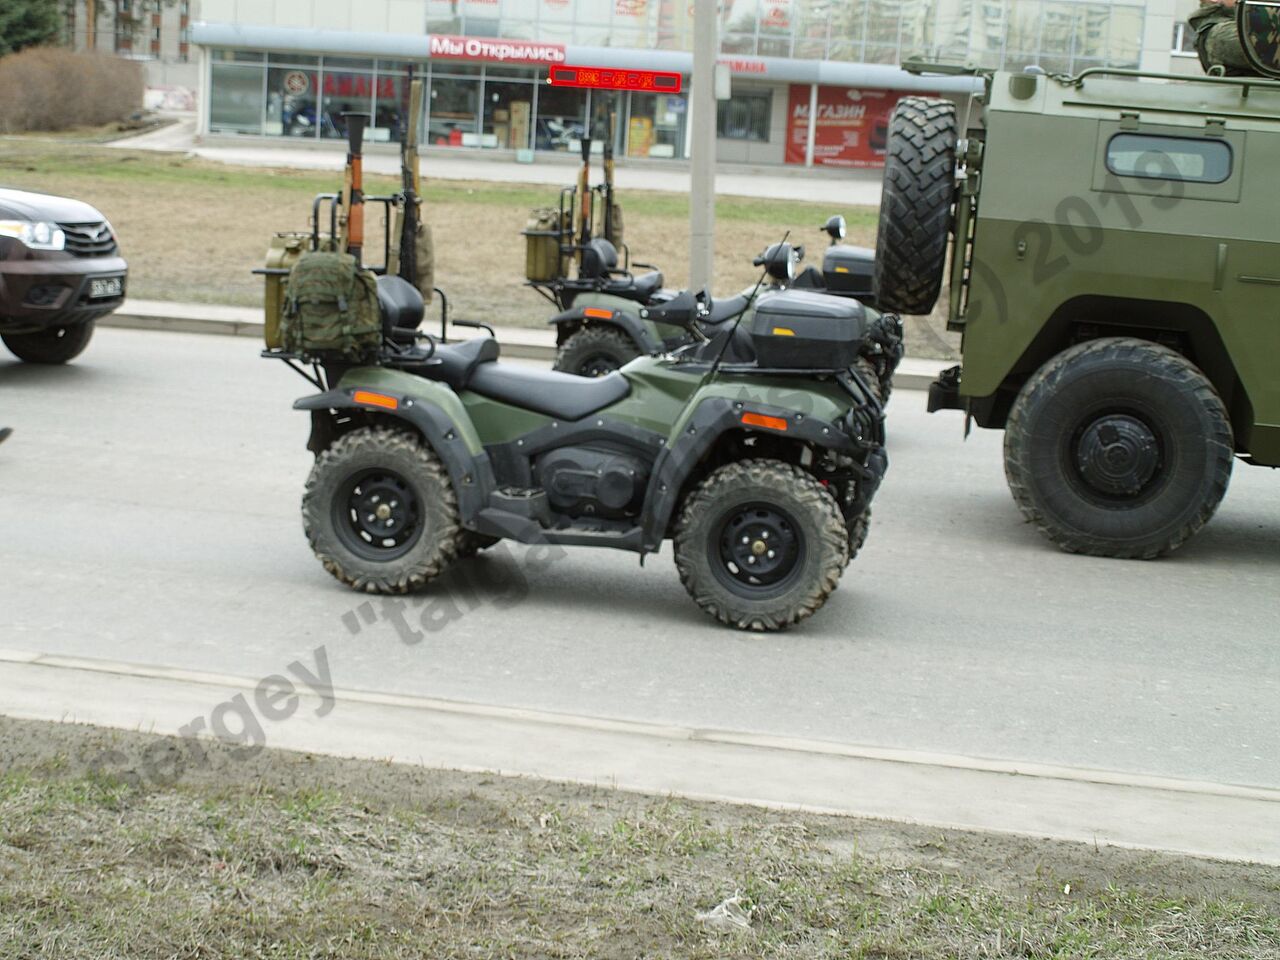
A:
(852, 128)
(444, 47)
(743, 65)
(607, 78)
(358, 85)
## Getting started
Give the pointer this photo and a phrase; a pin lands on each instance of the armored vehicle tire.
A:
(55, 345)
(760, 544)
(380, 512)
(1118, 448)
(915, 207)
(596, 351)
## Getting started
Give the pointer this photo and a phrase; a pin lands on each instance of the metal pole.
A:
(702, 116)
(813, 126)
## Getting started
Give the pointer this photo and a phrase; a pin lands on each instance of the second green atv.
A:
(757, 452)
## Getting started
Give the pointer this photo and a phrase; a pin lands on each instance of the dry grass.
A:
(47, 88)
(291, 856)
(193, 230)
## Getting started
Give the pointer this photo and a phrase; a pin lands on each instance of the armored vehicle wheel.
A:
(469, 543)
(596, 351)
(760, 544)
(55, 345)
(1118, 448)
(915, 208)
(380, 512)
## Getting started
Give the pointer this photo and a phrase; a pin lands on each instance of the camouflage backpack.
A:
(331, 305)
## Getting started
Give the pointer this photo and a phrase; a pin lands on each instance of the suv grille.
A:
(89, 239)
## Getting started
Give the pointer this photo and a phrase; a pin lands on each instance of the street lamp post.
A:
(702, 198)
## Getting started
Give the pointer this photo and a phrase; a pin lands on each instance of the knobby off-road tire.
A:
(596, 351)
(915, 207)
(753, 502)
(469, 543)
(859, 527)
(1118, 448)
(380, 469)
(55, 345)
(881, 388)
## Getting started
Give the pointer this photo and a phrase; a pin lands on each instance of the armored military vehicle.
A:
(1114, 270)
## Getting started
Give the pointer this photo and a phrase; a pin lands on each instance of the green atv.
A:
(603, 321)
(1116, 293)
(756, 451)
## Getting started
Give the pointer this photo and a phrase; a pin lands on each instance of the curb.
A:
(519, 344)
(1220, 821)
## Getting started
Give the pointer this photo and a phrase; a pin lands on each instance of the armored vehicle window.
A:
(1169, 158)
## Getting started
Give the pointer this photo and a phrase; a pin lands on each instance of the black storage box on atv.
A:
(850, 271)
(800, 330)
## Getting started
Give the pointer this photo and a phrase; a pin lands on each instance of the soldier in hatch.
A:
(1218, 39)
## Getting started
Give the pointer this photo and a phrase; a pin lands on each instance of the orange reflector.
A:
(760, 420)
(783, 332)
(598, 313)
(376, 400)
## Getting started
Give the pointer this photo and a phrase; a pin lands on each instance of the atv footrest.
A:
(529, 504)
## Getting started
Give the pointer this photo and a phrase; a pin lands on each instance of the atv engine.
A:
(593, 482)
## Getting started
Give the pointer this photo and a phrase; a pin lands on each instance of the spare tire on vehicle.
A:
(915, 208)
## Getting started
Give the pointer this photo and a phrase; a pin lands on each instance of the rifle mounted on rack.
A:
(584, 198)
(612, 229)
(403, 258)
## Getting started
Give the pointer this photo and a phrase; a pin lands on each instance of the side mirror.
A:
(1259, 26)
(836, 228)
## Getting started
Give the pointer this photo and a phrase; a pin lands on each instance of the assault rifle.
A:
(351, 222)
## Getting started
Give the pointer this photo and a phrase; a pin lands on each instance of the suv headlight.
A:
(38, 235)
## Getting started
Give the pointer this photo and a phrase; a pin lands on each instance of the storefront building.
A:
(813, 81)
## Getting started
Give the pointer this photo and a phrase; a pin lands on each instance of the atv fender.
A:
(695, 435)
(432, 409)
(630, 324)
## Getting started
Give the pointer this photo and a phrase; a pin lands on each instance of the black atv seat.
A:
(726, 308)
(459, 361)
(401, 306)
(560, 395)
(639, 288)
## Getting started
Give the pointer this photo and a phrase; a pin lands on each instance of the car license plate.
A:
(105, 287)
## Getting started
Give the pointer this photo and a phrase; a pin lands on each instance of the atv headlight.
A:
(38, 235)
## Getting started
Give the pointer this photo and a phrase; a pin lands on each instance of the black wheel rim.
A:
(1117, 457)
(598, 365)
(758, 549)
(378, 515)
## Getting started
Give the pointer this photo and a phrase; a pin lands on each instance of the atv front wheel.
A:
(380, 512)
(1118, 448)
(880, 387)
(760, 544)
(595, 352)
(55, 345)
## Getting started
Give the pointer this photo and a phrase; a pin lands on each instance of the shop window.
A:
(390, 105)
(291, 60)
(235, 99)
(235, 56)
(561, 118)
(744, 117)
(656, 125)
(453, 120)
(508, 115)
(738, 43)
(345, 93)
(291, 102)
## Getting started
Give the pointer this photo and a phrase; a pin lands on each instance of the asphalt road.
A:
(149, 513)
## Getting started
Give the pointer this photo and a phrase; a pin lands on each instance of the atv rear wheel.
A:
(1118, 448)
(595, 352)
(760, 544)
(55, 345)
(915, 207)
(380, 512)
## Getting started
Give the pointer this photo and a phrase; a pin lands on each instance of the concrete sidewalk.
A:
(520, 343)
(1090, 806)
(839, 188)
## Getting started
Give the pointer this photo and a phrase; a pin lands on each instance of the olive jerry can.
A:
(543, 235)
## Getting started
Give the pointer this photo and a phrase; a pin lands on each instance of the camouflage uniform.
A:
(1218, 40)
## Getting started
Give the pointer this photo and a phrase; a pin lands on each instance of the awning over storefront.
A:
(419, 47)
